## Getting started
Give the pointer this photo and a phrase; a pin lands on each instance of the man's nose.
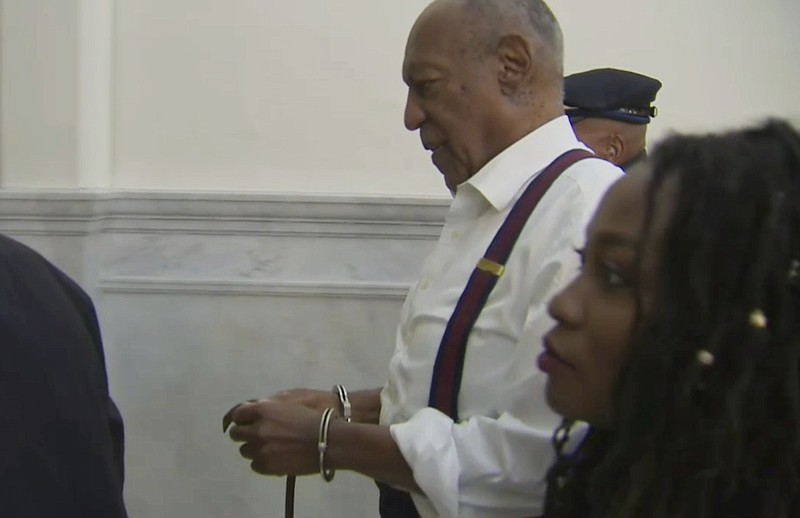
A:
(413, 115)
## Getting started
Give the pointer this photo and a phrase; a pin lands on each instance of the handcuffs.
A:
(344, 411)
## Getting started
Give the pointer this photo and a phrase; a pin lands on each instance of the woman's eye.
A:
(612, 278)
(607, 273)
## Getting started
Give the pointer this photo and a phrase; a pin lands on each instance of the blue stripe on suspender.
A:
(448, 369)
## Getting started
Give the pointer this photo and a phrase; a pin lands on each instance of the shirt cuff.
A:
(426, 442)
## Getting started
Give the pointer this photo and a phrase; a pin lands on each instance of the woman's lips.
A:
(550, 362)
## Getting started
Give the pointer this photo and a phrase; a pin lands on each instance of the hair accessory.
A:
(322, 445)
(758, 319)
(794, 273)
(705, 358)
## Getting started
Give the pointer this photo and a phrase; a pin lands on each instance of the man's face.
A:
(453, 94)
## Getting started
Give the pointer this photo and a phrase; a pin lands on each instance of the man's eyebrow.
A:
(423, 65)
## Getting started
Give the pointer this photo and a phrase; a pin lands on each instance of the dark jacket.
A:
(61, 436)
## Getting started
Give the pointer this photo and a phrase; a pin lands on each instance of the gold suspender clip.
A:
(492, 267)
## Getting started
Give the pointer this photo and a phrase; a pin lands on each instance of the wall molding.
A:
(215, 243)
(175, 286)
(81, 212)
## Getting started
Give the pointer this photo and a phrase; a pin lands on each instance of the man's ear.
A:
(516, 60)
(614, 148)
(609, 147)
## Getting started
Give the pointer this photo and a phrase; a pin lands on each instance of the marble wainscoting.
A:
(206, 299)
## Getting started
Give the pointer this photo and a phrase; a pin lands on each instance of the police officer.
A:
(610, 110)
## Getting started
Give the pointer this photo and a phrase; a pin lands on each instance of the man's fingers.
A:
(227, 419)
(258, 457)
(283, 395)
(242, 433)
(260, 467)
(233, 416)
(248, 451)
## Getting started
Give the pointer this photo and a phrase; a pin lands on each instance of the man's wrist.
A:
(366, 405)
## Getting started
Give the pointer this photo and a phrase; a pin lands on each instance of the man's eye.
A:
(424, 88)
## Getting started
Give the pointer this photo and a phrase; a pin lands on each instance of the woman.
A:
(679, 342)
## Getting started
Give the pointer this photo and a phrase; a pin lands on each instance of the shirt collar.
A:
(502, 178)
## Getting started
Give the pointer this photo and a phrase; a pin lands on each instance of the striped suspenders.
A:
(446, 379)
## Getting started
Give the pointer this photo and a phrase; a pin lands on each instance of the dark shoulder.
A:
(32, 285)
(12, 251)
(23, 262)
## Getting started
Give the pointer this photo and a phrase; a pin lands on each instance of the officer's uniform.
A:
(613, 94)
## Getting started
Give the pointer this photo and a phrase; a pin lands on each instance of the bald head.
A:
(485, 26)
(533, 18)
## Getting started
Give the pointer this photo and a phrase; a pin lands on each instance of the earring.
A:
(705, 358)
(794, 273)
(758, 319)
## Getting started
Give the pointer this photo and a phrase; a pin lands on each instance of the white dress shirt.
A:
(492, 463)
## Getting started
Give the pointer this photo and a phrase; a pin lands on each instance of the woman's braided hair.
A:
(691, 440)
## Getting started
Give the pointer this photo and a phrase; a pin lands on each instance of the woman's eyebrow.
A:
(613, 239)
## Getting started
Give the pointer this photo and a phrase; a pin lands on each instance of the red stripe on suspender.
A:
(449, 366)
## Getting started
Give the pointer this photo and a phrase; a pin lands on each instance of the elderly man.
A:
(60, 433)
(610, 110)
(463, 430)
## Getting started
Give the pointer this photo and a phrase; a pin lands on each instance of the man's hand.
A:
(314, 399)
(280, 438)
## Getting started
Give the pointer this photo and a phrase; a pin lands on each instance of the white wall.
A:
(297, 96)
(38, 92)
(306, 96)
